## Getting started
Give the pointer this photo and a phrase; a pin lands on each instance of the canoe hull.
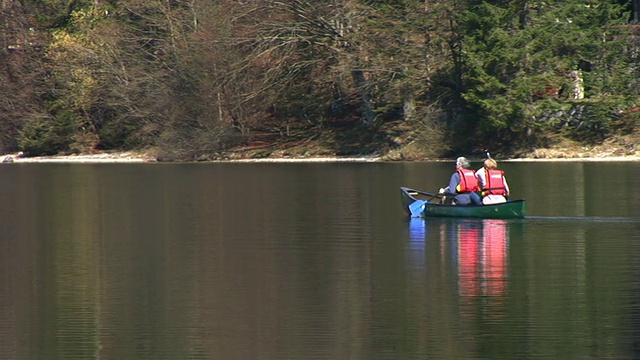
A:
(514, 209)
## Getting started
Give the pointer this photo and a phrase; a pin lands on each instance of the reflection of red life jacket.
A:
(494, 259)
(468, 260)
(468, 181)
(494, 183)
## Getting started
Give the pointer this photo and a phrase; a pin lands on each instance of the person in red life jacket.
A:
(493, 184)
(463, 185)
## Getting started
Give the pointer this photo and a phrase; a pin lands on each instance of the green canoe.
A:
(424, 204)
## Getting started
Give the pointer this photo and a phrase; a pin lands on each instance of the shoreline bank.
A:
(120, 157)
(131, 157)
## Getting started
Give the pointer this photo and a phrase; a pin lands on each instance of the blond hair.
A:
(490, 164)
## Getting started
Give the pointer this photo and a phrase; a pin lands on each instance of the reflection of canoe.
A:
(419, 203)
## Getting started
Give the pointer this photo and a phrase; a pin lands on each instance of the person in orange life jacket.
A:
(463, 185)
(494, 185)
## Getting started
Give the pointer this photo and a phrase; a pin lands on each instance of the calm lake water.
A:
(314, 261)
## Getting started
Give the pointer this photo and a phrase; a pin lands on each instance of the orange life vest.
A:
(494, 183)
(468, 181)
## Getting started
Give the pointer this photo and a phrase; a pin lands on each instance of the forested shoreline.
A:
(407, 79)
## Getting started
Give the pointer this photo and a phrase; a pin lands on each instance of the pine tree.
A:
(519, 53)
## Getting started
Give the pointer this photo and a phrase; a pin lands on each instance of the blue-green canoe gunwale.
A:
(513, 209)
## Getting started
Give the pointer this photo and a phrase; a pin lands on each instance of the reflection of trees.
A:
(71, 289)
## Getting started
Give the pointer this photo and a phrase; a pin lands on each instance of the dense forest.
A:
(194, 79)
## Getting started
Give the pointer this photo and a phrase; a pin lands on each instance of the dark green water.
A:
(313, 261)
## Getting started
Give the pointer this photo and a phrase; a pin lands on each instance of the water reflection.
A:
(478, 250)
(211, 261)
(481, 257)
(459, 271)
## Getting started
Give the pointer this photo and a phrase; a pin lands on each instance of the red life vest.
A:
(468, 181)
(494, 183)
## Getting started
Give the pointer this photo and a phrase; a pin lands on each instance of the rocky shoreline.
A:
(133, 157)
(119, 157)
(622, 149)
(617, 148)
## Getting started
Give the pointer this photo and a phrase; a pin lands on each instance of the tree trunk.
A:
(408, 104)
(368, 113)
(577, 90)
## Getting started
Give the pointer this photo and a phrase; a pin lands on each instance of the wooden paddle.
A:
(427, 193)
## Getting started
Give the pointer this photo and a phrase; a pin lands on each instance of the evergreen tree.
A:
(518, 53)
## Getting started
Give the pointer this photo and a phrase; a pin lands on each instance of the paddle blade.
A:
(417, 207)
